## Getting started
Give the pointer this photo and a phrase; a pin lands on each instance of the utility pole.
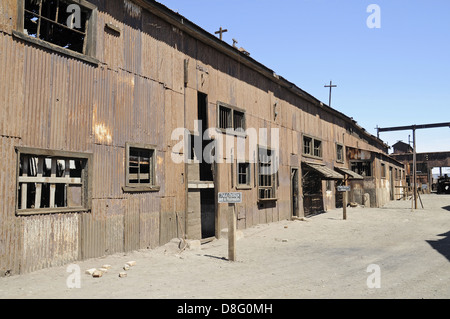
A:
(220, 32)
(413, 128)
(330, 86)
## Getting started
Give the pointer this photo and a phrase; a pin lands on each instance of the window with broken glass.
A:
(243, 174)
(363, 168)
(51, 181)
(312, 146)
(140, 168)
(266, 174)
(339, 153)
(65, 23)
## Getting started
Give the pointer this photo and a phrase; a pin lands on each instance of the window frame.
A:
(91, 34)
(342, 159)
(140, 187)
(370, 165)
(232, 109)
(248, 185)
(273, 178)
(86, 180)
(312, 148)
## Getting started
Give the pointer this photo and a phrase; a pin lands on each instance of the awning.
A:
(325, 171)
(349, 172)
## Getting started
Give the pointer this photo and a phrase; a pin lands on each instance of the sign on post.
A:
(231, 198)
(343, 188)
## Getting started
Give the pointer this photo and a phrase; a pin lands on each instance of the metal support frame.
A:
(413, 128)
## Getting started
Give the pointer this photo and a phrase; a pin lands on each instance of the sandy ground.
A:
(321, 257)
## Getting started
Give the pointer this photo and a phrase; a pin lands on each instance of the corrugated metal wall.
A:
(53, 101)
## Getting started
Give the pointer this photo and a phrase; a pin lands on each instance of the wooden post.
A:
(232, 234)
(414, 168)
(24, 185)
(344, 199)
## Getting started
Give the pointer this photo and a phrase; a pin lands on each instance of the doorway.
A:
(312, 191)
(294, 192)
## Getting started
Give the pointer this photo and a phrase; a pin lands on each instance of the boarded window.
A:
(51, 182)
(60, 22)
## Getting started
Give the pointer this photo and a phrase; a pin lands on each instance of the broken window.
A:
(317, 148)
(243, 174)
(266, 174)
(363, 168)
(307, 145)
(140, 167)
(64, 23)
(339, 153)
(51, 182)
(312, 146)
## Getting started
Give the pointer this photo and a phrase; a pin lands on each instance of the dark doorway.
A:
(294, 192)
(202, 109)
(208, 212)
(312, 191)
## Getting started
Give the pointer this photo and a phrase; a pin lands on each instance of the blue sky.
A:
(398, 74)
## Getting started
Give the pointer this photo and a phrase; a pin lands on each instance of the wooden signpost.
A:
(231, 199)
(344, 189)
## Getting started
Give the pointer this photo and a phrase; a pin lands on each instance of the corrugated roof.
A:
(325, 171)
(349, 172)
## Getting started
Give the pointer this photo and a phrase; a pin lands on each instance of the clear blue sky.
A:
(398, 74)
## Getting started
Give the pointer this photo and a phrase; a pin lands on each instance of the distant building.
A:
(401, 147)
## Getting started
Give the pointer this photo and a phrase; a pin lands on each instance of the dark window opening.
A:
(239, 120)
(225, 118)
(363, 168)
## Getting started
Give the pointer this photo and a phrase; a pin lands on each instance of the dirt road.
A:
(389, 252)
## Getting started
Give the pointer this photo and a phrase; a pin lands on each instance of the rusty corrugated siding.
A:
(10, 236)
(50, 240)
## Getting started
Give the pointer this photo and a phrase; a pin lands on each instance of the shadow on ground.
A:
(442, 245)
